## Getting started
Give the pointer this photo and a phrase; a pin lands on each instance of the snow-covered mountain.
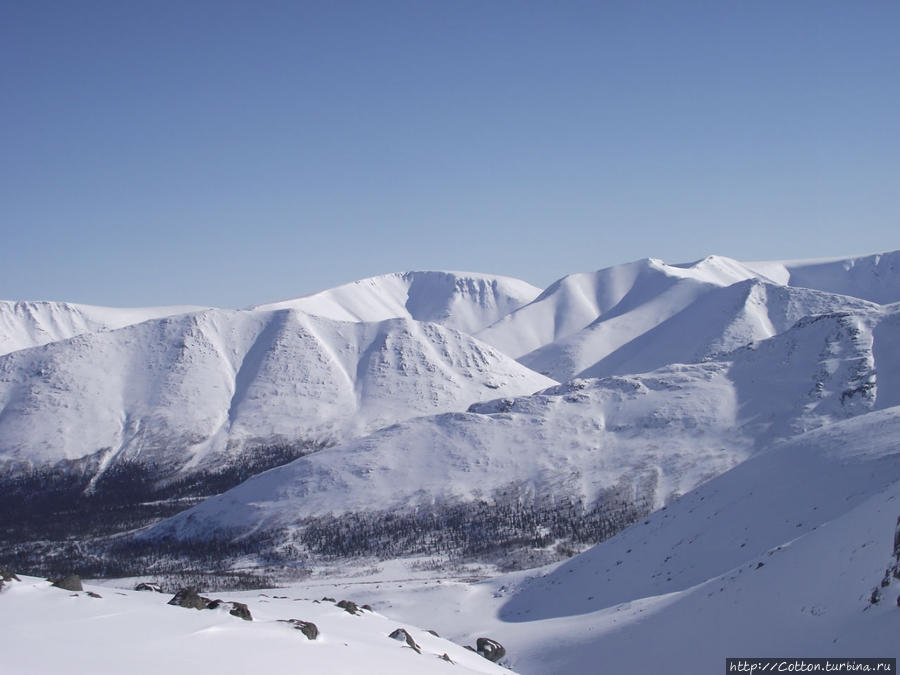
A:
(639, 316)
(574, 302)
(667, 395)
(30, 324)
(465, 301)
(191, 391)
(871, 277)
(778, 557)
(726, 430)
(613, 449)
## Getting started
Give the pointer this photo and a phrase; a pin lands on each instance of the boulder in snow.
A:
(308, 628)
(69, 583)
(238, 609)
(148, 586)
(401, 635)
(190, 599)
(490, 649)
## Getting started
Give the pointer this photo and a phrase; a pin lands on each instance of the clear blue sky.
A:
(228, 153)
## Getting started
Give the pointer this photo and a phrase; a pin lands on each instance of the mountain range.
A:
(440, 401)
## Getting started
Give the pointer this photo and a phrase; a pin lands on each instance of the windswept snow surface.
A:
(653, 436)
(31, 324)
(198, 386)
(462, 300)
(50, 631)
(871, 277)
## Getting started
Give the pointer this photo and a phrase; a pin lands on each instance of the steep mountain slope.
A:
(198, 390)
(639, 316)
(716, 320)
(576, 462)
(574, 302)
(30, 324)
(871, 277)
(778, 557)
(462, 300)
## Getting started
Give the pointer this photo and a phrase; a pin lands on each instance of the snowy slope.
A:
(462, 300)
(30, 324)
(51, 631)
(642, 315)
(872, 277)
(203, 386)
(574, 302)
(646, 437)
(778, 557)
(663, 331)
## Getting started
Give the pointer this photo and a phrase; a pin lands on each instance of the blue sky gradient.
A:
(229, 153)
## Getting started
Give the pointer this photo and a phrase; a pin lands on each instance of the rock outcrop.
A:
(148, 586)
(69, 583)
(490, 649)
(190, 599)
(308, 628)
(401, 635)
(238, 609)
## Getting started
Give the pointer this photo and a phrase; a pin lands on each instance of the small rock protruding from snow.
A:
(350, 607)
(238, 609)
(897, 541)
(401, 635)
(148, 586)
(6, 576)
(308, 628)
(875, 598)
(190, 599)
(71, 582)
(490, 649)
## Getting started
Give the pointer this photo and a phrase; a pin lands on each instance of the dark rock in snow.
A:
(94, 595)
(897, 541)
(446, 657)
(327, 599)
(402, 636)
(148, 586)
(368, 608)
(433, 632)
(69, 583)
(6, 576)
(490, 649)
(349, 607)
(189, 598)
(875, 598)
(308, 628)
(238, 609)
